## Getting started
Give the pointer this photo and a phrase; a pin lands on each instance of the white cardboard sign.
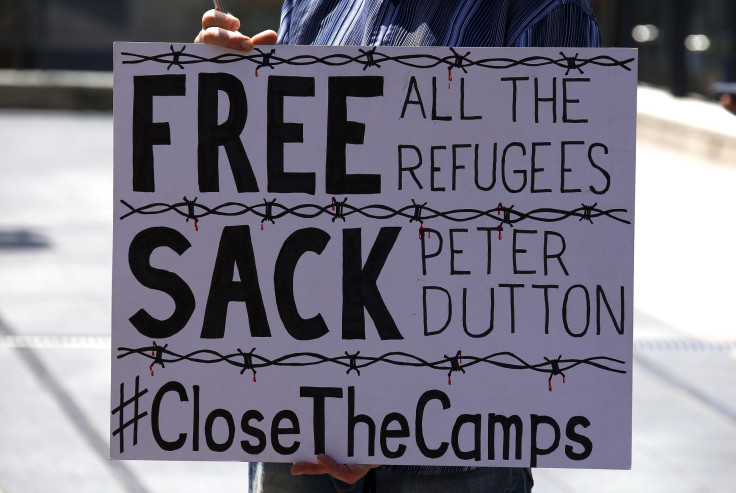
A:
(390, 255)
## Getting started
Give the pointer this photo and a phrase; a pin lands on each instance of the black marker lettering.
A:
(139, 260)
(146, 132)
(212, 135)
(280, 133)
(341, 131)
(235, 251)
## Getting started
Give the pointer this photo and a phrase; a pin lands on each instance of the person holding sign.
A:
(467, 23)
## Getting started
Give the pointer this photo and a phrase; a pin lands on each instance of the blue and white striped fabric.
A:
(470, 23)
(513, 23)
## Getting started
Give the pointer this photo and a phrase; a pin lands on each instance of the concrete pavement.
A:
(56, 89)
(55, 247)
(54, 315)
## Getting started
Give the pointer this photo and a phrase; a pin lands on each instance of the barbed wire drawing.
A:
(458, 363)
(374, 58)
(270, 211)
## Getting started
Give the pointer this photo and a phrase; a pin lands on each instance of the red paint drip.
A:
(449, 74)
(449, 379)
(422, 229)
(256, 72)
(498, 213)
(563, 379)
(153, 353)
(333, 204)
(196, 225)
(550, 385)
(254, 376)
(261, 226)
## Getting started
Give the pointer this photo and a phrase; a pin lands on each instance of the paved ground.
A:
(55, 247)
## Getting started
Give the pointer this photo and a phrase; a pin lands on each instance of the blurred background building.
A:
(685, 45)
(78, 34)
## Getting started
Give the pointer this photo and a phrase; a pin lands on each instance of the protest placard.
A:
(391, 255)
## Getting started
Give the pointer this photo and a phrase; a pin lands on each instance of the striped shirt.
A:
(471, 23)
(513, 23)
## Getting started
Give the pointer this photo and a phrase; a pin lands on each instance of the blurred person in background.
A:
(729, 102)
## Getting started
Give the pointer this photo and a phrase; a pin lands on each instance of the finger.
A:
(348, 473)
(307, 468)
(329, 464)
(222, 37)
(355, 470)
(268, 37)
(215, 18)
